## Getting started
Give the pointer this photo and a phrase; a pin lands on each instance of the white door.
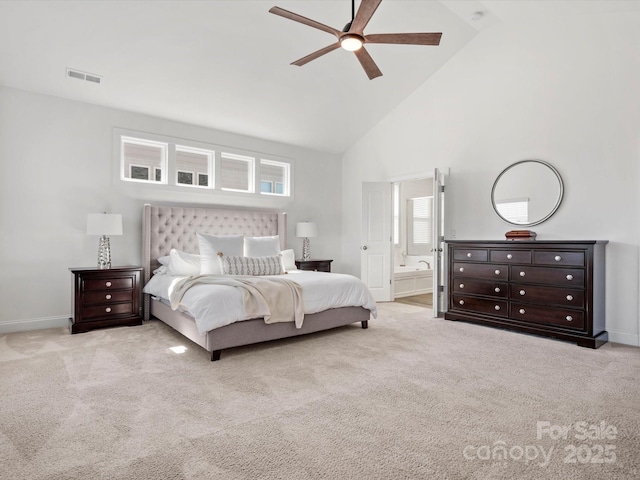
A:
(439, 253)
(376, 241)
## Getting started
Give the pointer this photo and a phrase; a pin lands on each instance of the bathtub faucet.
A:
(424, 261)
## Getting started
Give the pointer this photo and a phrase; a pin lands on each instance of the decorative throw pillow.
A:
(211, 245)
(184, 264)
(261, 246)
(289, 259)
(233, 265)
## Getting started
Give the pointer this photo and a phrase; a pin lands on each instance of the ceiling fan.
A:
(352, 37)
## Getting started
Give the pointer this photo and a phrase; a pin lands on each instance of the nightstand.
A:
(314, 265)
(105, 298)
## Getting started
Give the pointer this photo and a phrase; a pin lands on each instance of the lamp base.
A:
(306, 249)
(104, 253)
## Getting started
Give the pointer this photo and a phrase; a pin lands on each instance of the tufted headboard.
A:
(165, 227)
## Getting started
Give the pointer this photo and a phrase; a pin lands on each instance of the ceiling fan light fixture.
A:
(351, 42)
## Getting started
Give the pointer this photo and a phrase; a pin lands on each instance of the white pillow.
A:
(260, 246)
(184, 264)
(289, 259)
(231, 265)
(164, 260)
(210, 245)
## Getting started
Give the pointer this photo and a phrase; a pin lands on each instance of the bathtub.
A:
(411, 280)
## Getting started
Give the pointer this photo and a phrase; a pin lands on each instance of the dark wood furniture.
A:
(552, 288)
(314, 265)
(105, 298)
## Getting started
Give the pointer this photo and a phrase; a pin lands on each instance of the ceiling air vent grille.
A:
(88, 77)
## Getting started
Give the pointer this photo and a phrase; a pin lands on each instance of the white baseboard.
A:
(625, 338)
(33, 324)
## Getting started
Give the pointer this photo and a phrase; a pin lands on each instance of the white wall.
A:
(566, 91)
(56, 157)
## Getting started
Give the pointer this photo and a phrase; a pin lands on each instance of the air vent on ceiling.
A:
(88, 77)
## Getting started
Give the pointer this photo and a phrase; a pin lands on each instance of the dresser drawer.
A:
(548, 295)
(510, 256)
(471, 254)
(560, 317)
(480, 305)
(470, 286)
(114, 283)
(106, 297)
(478, 270)
(562, 277)
(91, 313)
(544, 257)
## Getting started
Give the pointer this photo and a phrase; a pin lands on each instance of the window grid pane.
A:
(274, 177)
(141, 158)
(193, 163)
(235, 172)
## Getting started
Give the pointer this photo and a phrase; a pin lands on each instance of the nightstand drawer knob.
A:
(108, 297)
(461, 269)
(461, 302)
(497, 272)
(522, 292)
(509, 256)
(521, 311)
(108, 309)
(497, 307)
(468, 255)
(108, 284)
(569, 277)
(522, 274)
(557, 258)
(497, 289)
(569, 318)
(569, 297)
(462, 285)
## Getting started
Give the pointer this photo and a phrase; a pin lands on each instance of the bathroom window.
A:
(420, 225)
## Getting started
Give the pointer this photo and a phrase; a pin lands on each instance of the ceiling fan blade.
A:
(405, 38)
(368, 64)
(314, 55)
(365, 12)
(306, 21)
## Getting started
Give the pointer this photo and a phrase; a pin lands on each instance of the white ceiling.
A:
(225, 64)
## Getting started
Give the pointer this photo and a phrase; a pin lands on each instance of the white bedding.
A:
(215, 306)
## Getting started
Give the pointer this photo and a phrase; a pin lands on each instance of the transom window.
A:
(274, 177)
(143, 160)
(193, 166)
(236, 172)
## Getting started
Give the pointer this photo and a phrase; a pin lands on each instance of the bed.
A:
(167, 227)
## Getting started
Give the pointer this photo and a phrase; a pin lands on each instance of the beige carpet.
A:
(409, 398)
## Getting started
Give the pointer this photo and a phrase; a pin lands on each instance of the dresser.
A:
(314, 265)
(105, 298)
(547, 288)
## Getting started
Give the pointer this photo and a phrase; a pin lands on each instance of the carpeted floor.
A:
(410, 398)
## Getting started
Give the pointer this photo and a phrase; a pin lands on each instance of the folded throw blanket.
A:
(276, 299)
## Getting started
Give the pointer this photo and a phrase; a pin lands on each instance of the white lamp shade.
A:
(306, 229)
(104, 224)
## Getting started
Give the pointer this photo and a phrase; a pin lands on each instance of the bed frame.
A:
(167, 227)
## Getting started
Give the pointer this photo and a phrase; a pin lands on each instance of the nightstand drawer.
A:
(314, 265)
(91, 313)
(107, 283)
(106, 297)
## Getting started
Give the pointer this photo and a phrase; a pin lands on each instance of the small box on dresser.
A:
(105, 298)
(552, 288)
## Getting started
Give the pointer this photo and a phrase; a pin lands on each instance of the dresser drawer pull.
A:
(569, 297)
(462, 285)
(497, 307)
(509, 256)
(108, 309)
(521, 311)
(469, 255)
(108, 284)
(522, 292)
(497, 289)
(461, 269)
(108, 297)
(557, 258)
(461, 302)
(569, 318)
(497, 272)
(569, 277)
(522, 274)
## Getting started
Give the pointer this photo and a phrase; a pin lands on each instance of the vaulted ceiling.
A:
(226, 64)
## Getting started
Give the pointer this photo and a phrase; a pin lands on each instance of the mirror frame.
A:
(553, 210)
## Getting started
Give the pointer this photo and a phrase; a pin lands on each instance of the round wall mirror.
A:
(527, 193)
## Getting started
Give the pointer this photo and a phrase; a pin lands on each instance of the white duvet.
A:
(214, 306)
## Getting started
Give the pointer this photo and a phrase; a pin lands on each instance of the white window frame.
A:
(287, 178)
(251, 171)
(210, 154)
(164, 161)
